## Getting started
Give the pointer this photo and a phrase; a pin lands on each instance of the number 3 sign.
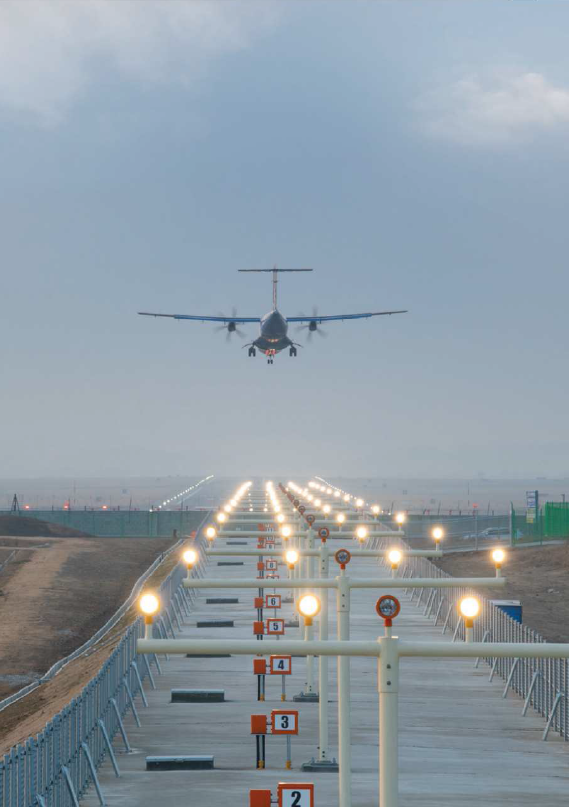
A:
(295, 795)
(284, 722)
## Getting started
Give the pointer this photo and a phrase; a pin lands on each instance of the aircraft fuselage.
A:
(273, 333)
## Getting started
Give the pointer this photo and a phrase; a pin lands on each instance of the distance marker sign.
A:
(271, 565)
(295, 795)
(284, 721)
(280, 665)
(272, 601)
(275, 627)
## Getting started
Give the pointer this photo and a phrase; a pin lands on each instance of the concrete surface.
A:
(461, 744)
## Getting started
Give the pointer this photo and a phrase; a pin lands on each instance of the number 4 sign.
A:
(295, 795)
(280, 665)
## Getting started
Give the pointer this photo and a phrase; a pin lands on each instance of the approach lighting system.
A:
(359, 502)
(375, 509)
(394, 556)
(210, 533)
(190, 557)
(469, 608)
(286, 532)
(340, 518)
(291, 557)
(281, 518)
(400, 518)
(498, 556)
(437, 534)
(309, 606)
(149, 604)
(221, 518)
(361, 534)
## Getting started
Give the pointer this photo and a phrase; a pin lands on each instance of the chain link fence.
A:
(56, 767)
(542, 683)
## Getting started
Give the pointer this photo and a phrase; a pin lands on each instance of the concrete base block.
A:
(288, 599)
(216, 623)
(315, 766)
(221, 600)
(292, 624)
(197, 695)
(179, 762)
(230, 563)
(303, 697)
(208, 655)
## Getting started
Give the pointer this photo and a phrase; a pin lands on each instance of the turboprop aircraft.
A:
(273, 332)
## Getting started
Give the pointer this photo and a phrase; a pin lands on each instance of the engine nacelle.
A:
(312, 325)
(231, 326)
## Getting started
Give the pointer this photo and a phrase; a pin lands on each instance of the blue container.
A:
(513, 608)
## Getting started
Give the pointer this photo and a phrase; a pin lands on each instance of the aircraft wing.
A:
(226, 320)
(318, 318)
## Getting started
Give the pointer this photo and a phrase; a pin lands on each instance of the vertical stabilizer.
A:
(275, 272)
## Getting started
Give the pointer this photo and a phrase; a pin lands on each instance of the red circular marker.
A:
(310, 518)
(301, 509)
(343, 557)
(323, 533)
(388, 608)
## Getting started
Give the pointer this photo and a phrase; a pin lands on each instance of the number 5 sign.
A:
(284, 722)
(295, 795)
(275, 627)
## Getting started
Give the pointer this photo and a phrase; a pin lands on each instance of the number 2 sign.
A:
(295, 795)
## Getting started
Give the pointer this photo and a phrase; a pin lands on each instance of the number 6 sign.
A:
(284, 722)
(295, 795)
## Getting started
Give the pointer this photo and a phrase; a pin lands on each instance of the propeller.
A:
(312, 326)
(230, 327)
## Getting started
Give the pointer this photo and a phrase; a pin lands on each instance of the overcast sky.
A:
(416, 154)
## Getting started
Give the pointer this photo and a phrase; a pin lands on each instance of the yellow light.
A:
(291, 556)
(469, 607)
(149, 604)
(317, 502)
(326, 509)
(498, 556)
(280, 518)
(286, 531)
(438, 533)
(227, 508)
(309, 605)
(375, 509)
(394, 557)
(340, 518)
(233, 502)
(221, 517)
(361, 533)
(359, 502)
(210, 533)
(337, 494)
(190, 556)
(328, 491)
(347, 497)
(400, 518)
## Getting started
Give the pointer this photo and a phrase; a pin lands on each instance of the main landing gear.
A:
(292, 351)
(252, 351)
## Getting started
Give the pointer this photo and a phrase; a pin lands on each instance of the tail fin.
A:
(274, 270)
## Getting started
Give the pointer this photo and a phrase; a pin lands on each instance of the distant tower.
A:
(15, 504)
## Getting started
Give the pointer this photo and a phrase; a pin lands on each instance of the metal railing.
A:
(57, 766)
(542, 683)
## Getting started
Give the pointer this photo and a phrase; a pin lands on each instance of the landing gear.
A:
(292, 351)
(252, 351)
(270, 360)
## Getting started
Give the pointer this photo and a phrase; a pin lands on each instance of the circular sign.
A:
(310, 518)
(388, 606)
(296, 502)
(342, 557)
(301, 509)
(323, 533)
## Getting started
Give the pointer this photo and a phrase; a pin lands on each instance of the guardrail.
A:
(542, 683)
(57, 766)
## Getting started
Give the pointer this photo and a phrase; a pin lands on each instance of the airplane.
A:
(273, 337)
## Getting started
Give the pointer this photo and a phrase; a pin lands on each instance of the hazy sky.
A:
(416, 154)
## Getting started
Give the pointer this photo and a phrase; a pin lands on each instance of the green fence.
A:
(551, 522)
